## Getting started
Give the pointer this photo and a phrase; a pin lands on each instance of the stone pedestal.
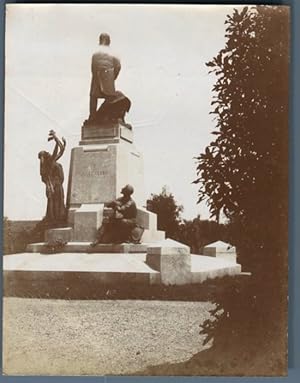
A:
(100, 168)
(173, 260)
(103, 163)
(222, 250)
(106, 133)
(148, 220)
(64, 234)
(87, 219)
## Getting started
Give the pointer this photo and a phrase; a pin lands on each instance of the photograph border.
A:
(294, 209)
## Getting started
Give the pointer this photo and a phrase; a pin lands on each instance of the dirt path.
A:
(58, 337)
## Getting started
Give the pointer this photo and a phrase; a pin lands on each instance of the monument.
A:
(104, 161)
(100, 236)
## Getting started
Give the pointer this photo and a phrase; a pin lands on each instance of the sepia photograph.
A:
(145, 218)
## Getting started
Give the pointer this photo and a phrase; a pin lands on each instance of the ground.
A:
(98, 337)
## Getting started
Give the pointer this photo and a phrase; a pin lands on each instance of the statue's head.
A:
(43, 155)
(104, 39)
(45, 162)
(127, 190)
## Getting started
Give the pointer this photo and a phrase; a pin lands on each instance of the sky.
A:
(163, 51)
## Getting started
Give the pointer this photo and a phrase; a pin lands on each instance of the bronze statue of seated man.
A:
(121, 226)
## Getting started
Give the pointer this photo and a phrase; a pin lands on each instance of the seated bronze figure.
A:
(121, 226)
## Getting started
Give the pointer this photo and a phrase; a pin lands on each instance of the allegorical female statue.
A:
(53, 176)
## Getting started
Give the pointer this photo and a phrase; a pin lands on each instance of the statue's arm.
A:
(128, 210)
(117, 67)
(61, 173)
(115, 204)
(130, 205)
(92, 64)
(62, 145)
(59, 148)
(55, 151)
(111, 204)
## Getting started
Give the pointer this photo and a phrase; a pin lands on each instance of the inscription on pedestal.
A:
(99, 172)
(94, 172)
(93, 176)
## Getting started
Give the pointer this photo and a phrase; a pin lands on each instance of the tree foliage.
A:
(243, 172)
(18, 234)
(167, 210)
(197, 233)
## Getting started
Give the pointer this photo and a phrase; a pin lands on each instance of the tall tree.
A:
(243, 174)
(167, 210)
(244, 171)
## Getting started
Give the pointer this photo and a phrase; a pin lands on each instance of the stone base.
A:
(87, 219)
(150, 236)
(104, 163)
(173, 260)
(109, 130)
(84, 221)
(64, 234)
(221, 250)
(84, 247)
(99, 172)
(84, 274)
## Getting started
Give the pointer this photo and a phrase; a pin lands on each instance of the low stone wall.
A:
(17, 235)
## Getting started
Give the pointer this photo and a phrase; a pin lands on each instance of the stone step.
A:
(81, 275)
(172, 259)
(147, 219)
(67, 235)
(84, 247)
(87, 219)
(220, 249)
(150, 236)
(64, 234)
